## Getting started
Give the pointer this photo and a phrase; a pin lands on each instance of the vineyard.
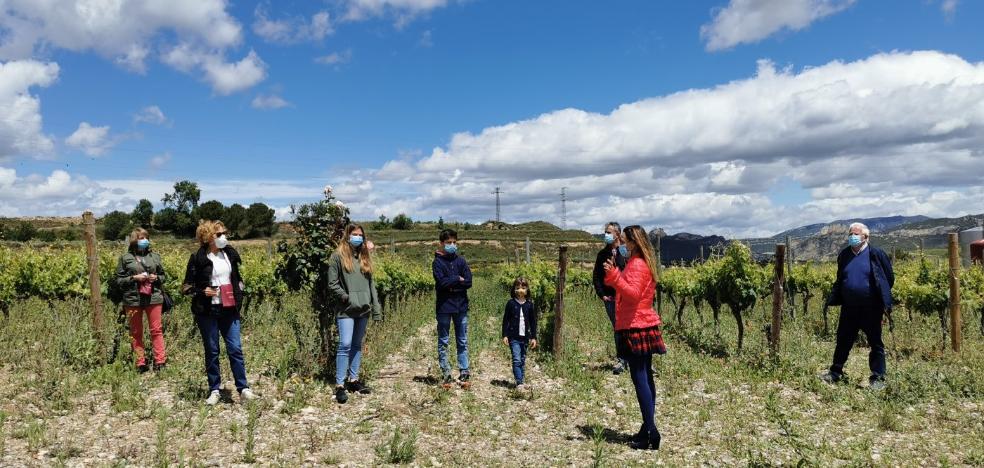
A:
(68, 397)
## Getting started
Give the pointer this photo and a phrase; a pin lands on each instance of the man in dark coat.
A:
(613, 234)
(863, 289)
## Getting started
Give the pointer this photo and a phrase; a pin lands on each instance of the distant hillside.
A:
(936, 226)
(684, 247)
(875, 224)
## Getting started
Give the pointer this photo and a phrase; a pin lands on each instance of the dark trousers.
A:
(641, 369)
(852, 320)
(610, 310)
(211, 325)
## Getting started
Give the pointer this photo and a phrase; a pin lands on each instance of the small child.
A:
(519, 327)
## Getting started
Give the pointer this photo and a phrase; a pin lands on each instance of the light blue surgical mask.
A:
(451, 248)
(854, 240)
(143, 244)
(609, 238)
(355, 241)
(623, 251)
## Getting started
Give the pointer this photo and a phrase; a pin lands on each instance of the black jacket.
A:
(510, 319)
(198, 276)
(882, 276)
(598, 275)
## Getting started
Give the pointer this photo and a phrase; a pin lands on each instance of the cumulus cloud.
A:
(130, 31)
(335, 58)
(58, 194)
(159, 161)
(150, 114)
(949, 8)
(269, 102)
(91, 140)
(893, 126)
(748, 21)
(20, 127)
(404, 11)
(292, 30)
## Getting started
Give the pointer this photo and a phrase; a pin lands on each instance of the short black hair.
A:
(517, 283)
(448, 234)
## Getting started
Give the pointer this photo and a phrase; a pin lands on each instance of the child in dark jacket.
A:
(452, 279)
(519, 327)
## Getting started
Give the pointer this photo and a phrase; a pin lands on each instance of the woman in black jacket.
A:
(519, 327)
(213, 280)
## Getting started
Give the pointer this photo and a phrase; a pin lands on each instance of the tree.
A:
(178, 223)
(260, 219)
(440, 223)
(116, 225)
(212, 210)
(382, 223)
(143, 214)
(235, 220)
(185, 197)
(23, 232)
(402, 222)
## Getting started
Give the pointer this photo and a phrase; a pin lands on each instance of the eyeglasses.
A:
(220, 234)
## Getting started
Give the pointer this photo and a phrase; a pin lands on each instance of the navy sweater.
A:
(452, 290)
(880, 277)
(510, 319)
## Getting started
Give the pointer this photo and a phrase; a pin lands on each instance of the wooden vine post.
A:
(558, 338)
(92, 257)
(955, 337)
(777, 299)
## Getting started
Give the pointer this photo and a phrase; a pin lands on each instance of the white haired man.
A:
(863, 289)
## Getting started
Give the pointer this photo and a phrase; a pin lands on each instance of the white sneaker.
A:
(247, 395)
(213, 398)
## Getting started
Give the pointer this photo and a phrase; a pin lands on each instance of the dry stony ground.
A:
(711, 411)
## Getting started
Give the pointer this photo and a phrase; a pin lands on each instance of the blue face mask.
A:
(355, 241)
(451, 248)
(623, 250)
(854, 240)
(142, 244)
(609, 238)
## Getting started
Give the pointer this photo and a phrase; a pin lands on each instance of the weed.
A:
(252, 421)
(399, 449)
(161, 458)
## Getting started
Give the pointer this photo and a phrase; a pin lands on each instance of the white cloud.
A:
(895, 126)
(152, 115)
(426, 39)
(335, 58)
(159, 161)
(748, 21)
(269, 101)
(292, 30)
(58, 194)
(403, 10)
(20, 126)
(131, 31)
(93, 141)
(949, 8)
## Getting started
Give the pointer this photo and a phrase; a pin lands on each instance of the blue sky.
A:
(740, 117)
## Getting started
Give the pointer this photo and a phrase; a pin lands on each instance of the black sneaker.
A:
(159, 366)
(831, 377)
(618, 368)
(143, 368)
(464, 380)
(340, 395)
(357, 386)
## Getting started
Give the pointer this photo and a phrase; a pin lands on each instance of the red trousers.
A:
(135, 317)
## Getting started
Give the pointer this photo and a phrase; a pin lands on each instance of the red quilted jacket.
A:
(634, 291)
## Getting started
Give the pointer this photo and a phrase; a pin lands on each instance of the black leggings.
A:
(641, 369)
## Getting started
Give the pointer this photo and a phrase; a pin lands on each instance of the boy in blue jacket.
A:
(452, 278)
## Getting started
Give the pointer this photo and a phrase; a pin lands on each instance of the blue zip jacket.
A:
(882, 277)
(452, 290)
(510, 320)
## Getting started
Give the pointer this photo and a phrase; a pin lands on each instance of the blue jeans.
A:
(444, 322)
(351, 332)
(226, 322)
(610, 309)
(518, 347)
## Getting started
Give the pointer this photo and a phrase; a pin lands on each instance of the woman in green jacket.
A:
(140, 275)
(354, 297)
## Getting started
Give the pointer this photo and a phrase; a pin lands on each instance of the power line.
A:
(498, 205)
(563, 207)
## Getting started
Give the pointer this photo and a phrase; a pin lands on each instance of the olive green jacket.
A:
(353, 293)
(128, 266)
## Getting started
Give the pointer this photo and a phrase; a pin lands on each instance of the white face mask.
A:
(221, 242)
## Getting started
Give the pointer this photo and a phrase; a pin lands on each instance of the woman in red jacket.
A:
(637, 325)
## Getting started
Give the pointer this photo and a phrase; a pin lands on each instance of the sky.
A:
(733, 117)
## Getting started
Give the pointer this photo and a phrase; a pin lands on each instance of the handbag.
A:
(227, 296)
(168, 303)
(145, 288)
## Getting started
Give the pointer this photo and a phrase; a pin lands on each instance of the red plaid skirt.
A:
(641, 341)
